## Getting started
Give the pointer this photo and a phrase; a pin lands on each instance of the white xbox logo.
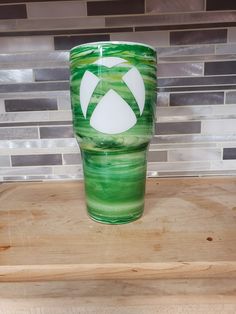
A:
(112, 114)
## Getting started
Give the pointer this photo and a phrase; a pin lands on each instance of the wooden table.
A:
(182, 251)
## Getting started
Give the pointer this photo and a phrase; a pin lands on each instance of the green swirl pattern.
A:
(114, 164)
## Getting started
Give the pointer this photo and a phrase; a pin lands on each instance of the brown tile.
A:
(68, 42)
(157, 6)
(34, 104)
(213, 5)
(115, 7)
(17, 11)
(192, 99)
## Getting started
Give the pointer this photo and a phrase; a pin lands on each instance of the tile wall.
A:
(196, 106)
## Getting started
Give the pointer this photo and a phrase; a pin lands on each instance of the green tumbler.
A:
(113, 97)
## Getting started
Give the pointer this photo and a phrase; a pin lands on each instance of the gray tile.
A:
(36, 160)
(193, 58)
(179, 166)
(69, 170)
(56, 9)
(200, 81)
(185, 51)
(115, 7)
(226, 49)
(18, 133)
(64, 102)
(34, 87)
(174, 19)
(230, 97)
(192, 99)
(229, 153)
(220, 68)
(198, 37)
(34, 104)
(56, 132)
(196, 154)
(179, 69)
(59, 23)
(187, 113)
(163, 99)
(154, 156)
(25, 171)
(216, 127)
(198, 173)
(178, 127)
(71, 159)
(157, 6)
(55, 74)
(19, 76)
(174, 89)
(194, 138)
(151, 38)
(68, 42)
(24, 44)
(4, 161)
(232, 35)
(17, 11)
(39, 143)
(34, 59)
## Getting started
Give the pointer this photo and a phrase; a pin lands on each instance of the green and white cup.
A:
(113, 96)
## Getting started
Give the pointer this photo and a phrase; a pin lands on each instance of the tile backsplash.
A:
(196, 104)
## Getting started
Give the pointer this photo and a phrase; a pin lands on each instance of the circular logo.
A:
(112, 114)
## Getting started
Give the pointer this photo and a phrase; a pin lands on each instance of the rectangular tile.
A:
(219, 68)
(180, 69)
(38, 25)
(151, 38)
(14, 171)
(201, 81)
(232, 35)
(229, 153)
(216, 127)
(67, 42)
(34, 87)
(157, 156)
(214, 5)
(179, 166)
(36, 160)
(196, 58)
(115, 7)
(167, 20)
(55, 74)
(163, 99)
(196, 154)
(18, 133)
(174, 89)
(31, 144)
(72, 171)
(64, 102)
(185, 51)
(186, 113)
(71, 159)
(193, 138)
(4, 161)
(13, 76)
(56, 132)
(192, 99)
(17, 11)
(157, 6)
(34, 104)
(225, 49)
(55, 9)
(230, 97)
(178, 127)
(24, 43)
(198, 37)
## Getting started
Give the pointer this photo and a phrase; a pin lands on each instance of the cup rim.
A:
(114, 42)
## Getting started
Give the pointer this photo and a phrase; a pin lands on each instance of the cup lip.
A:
(114, 42)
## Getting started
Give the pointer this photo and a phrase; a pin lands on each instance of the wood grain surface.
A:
(187, 231)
